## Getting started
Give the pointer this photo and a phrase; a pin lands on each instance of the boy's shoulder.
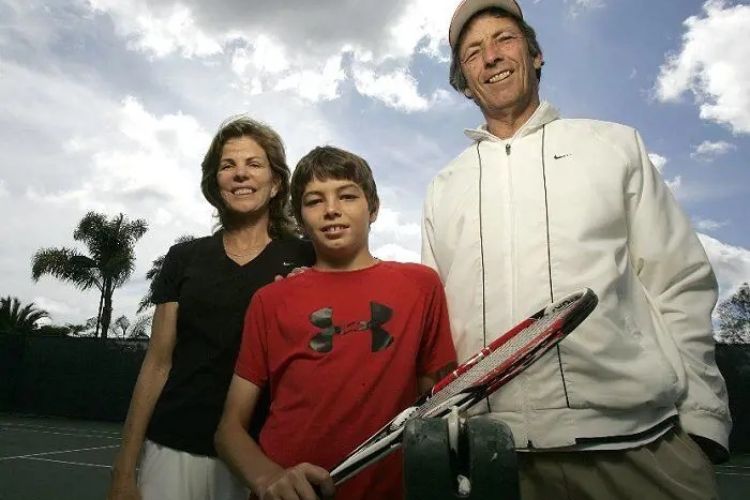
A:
(281, 287)
(418, 273)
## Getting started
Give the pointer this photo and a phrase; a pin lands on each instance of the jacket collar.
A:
(544, 114)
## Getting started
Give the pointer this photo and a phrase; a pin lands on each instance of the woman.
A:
(202, 293)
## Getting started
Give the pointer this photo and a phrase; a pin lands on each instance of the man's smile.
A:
(499, 77)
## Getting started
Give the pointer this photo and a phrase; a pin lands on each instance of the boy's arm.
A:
(266, 479)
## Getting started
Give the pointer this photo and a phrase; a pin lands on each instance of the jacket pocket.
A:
(616, 364)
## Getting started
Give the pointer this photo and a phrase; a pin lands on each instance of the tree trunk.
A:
(99, 312)
(107, 311)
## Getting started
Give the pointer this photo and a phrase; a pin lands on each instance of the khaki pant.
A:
(672, 467)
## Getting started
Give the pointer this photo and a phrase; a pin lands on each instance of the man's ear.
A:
(539, 61)
(468, 93)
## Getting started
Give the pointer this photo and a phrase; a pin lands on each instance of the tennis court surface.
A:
(59, 459)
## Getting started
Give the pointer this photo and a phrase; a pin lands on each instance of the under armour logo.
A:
(323, 318)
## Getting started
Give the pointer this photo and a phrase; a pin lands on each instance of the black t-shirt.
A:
(213, 293)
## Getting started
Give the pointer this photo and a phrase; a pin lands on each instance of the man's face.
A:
(499, 71)
(337, 218)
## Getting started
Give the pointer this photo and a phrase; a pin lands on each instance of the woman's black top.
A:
(213, 293)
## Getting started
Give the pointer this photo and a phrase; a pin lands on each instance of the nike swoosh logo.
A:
(287, 264)
(557, 157)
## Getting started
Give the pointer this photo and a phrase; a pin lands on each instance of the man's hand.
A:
(293, 272)
(298, 483)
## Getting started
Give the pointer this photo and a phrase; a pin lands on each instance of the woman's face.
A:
(245, 179)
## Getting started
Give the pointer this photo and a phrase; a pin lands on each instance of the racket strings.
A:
(495, 359)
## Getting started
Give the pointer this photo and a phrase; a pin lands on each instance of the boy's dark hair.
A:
(280, 223)
(328, 162)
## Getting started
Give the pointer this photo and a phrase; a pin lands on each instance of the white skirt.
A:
(169, 474)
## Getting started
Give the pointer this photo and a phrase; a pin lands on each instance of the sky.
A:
(109, 105)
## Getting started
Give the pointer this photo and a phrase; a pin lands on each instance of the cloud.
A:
(394, 251)
(712, 65)
(658, 161)
(708, 224)
(731, 264)
(397, 89)
(394, 238)
(146, 161)
(159, 28)
(373, 47)
(708, 150)
(389, 223)
(675, 185)
(55, 307)
(579, 7)
(320, 84)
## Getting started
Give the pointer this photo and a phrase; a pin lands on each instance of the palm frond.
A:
(17, 319)
(91, 228)
(66, 264)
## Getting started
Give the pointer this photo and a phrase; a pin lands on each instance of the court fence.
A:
(734, 363)
(93, 379)
(84, 378)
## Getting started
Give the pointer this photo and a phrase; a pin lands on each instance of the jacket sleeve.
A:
(674, 270)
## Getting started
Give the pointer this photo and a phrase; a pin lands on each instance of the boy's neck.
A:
(338, 263)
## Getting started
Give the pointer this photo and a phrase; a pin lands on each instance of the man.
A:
(539, 206)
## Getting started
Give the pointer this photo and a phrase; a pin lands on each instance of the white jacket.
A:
(512, 224)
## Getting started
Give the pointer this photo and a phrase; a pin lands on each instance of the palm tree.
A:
(137, 330)
(108, 266)
(156, 265)
(17, 319)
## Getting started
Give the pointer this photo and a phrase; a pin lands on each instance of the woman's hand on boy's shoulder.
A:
(293, 272)
(303, 481)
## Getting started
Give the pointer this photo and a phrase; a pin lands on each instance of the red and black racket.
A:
(480, 376)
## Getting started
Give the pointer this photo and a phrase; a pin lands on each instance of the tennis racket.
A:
(477, 378)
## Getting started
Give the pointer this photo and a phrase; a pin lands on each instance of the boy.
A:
(344, 346)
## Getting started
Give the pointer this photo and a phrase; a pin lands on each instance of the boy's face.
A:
(337, 218)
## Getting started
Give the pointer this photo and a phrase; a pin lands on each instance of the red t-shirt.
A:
(342, 352)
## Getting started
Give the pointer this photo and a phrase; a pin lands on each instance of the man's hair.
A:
(457, 78)
(327, 162)
(280, 222)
